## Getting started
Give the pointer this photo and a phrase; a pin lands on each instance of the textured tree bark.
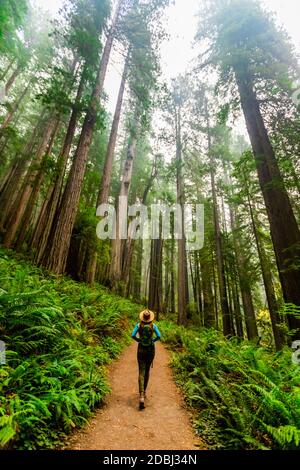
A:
(227, 331)
(138, 277)
(237, 311)
(116, 247)
(209, 318)
(12, 78)
(8, 68)
(11, 190)
(7, 177)
(36, 187)
(130, 243)
(193, 279)
(172, 287)
(106, 174)
(56, 252)
(166, 296)
(45, 222)
(284, 229)
(199, 286)
(110, 153)
(268, 283)
(249, 313)
(14, 109)
(155, 277)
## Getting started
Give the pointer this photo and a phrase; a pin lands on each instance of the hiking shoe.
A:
(142, 403)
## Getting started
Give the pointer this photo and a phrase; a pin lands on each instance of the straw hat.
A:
(147, 316)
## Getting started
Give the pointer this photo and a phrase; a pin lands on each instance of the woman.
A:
(146, 349)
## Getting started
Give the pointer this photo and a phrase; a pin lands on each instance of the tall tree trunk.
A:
(237, 310)
(182, 300)
(12, 78)
(121, 217)
(193, 279)
(14, 108)
(45, 222)
(106, 173)
(155, 278)
(242, 270)
(208, 306)
(110, 152)
(199, 286)
(8, 68)
(11, 190)
(268, 282)
(172, 287)
(138, 276)
(36, 187)
(20, 203)
(284, 229)
(56, 252)
(129, 244)
(218, 241)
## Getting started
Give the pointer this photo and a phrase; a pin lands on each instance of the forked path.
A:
(163, 425)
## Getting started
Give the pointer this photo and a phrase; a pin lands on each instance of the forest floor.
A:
(165, 423)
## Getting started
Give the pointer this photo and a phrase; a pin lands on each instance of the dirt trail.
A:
(120, 425)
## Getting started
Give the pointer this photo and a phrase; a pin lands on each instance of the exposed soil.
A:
(163, 425)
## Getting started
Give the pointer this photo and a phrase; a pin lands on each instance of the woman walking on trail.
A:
(146, 349)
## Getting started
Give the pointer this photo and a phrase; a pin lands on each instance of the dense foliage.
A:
(243, 396)
(59, 336)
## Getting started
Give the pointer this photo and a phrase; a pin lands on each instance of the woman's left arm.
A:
(134, 333)
(157, 332)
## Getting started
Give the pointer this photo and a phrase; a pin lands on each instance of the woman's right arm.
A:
(134, 333)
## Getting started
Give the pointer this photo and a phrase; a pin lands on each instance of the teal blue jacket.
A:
(136, 329)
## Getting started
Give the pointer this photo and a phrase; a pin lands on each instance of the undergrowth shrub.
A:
(243, 396)
(59, 337)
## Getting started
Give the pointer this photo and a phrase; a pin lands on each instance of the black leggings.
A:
(145, 358)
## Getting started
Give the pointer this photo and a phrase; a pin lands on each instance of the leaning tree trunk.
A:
(268, 283)
(116, 247)
(12, 78)
(193, 280)
(20, 203)
(45, 222)
(110, 152)
(11, 189)
(284, 229)
(56, 252)
(250, 320)
(155, 277)
(36, 187)
(107, 171)
(172, 286)
(14, 108)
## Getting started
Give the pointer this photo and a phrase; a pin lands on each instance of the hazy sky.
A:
(177, 53)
